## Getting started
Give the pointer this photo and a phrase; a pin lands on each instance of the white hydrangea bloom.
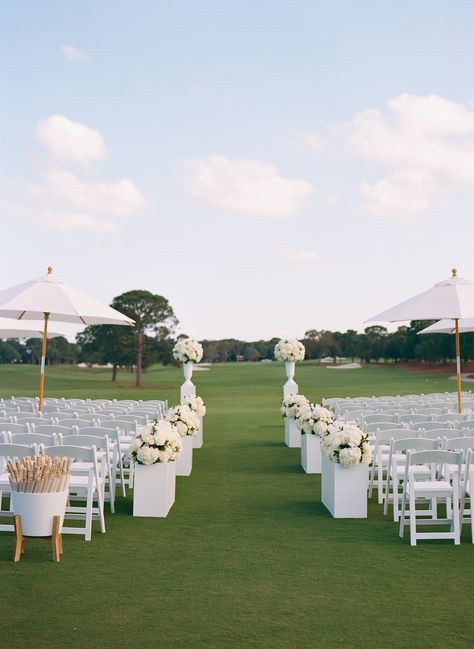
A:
(347, 445)
(314, 419)
(185, 420)
(196, 404)
(291, 405)
(157, 442)
(187, 349)
(289, 349)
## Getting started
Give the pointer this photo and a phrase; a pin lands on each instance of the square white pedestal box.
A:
(154, 489)
(184, 463)
(198, 437)
(292, 434)
(344, 491)
(311, 453)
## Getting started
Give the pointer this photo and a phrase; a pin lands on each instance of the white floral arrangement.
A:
(196, 404)
(291, 405)
(289, 349)
(184, 420)
(347, 446)
(158, 442)
(187, 350)
(316, 420)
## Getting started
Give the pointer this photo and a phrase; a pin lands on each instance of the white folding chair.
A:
(441, 485)
(396, 468)
(84, 487)
(10, 452)
(380, 455)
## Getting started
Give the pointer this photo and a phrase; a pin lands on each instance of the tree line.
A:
(152, 338)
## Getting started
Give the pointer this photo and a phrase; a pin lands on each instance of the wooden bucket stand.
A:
(56, 539)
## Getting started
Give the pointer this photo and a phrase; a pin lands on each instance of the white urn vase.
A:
(37, 511)
(188, 389)
(292, 434)
(198, 438)
(154, 489)
(344, 490)
(184, 463)
(311, 453)
(290, 386)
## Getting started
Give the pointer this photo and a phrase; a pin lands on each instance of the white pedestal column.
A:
(188, 389)
(311, 453)
(198, 438)
(290, 386)
(184, 463)
(344, 491)
(292, 434)
(154, 489)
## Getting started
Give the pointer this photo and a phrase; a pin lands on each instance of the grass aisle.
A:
(247, 557)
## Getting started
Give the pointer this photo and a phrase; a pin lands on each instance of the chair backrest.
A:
(13, 428)
(140, 420)
(64, 415)
(413, 444)
(382, 418)
(100, 443)
(83, 453)
(426, 425)
(79, 423)
(16, 450)
(383, 437)
(429, 411)
(396, 411)
(51, 429)
(451, 416)
(459, 444)
(437, 456)
(437, 433)
(467, 424)
(32, 438)
(50, 408)
(89, 417)
(379, 426)
(33, 420)
(123, 426)
(412, 418)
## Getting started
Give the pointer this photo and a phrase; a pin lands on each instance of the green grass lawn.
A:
(248, 557)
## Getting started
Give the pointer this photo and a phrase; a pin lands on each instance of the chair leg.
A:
(372, 475)
(387, 493)
(380, 482)
(412, 518)
(89, 505)
(395, 496)
(402, 515)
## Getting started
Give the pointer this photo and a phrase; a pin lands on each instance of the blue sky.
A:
(269, 167)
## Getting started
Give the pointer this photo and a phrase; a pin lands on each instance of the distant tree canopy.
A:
(142, 345)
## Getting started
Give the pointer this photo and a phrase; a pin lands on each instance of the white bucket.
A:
(37, 511)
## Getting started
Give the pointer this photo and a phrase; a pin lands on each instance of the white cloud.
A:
(295, 256)
(68, 141)
(71, 221)
(71, 53)
(426, 143)
(403, 194)
(247, 187)
(312, 141)
(120, 198)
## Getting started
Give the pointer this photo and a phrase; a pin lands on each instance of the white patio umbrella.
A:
(451, 299)
(24, 329)
(47, 298)
(448, 327)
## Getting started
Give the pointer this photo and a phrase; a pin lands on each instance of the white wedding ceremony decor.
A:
(290, 408)
(314, 421)
(198, 406)
(289, 350)
(345, 471)
(186, 423)
(155, 451)
(188, 351)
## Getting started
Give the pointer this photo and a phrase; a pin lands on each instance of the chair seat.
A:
(431, 487)
(416, 470)
(81, 482)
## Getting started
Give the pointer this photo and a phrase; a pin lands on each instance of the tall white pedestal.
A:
(184, 463)
(344, 491)
(311, 453)
(292, 434)
(198, 438)
(154, 489)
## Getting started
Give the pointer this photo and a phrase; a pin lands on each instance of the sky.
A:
(269, 167)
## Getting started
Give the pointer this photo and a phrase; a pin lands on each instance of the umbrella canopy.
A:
(448, 327)
(49, 298)
(47, 294)
(24, 329)
(453, 298)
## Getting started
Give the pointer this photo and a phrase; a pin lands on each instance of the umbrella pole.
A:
(458, 364)
(43, 361)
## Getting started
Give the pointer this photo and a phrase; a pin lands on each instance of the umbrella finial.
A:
(50, 270)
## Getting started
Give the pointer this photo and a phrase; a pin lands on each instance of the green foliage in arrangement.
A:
(248, 556)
